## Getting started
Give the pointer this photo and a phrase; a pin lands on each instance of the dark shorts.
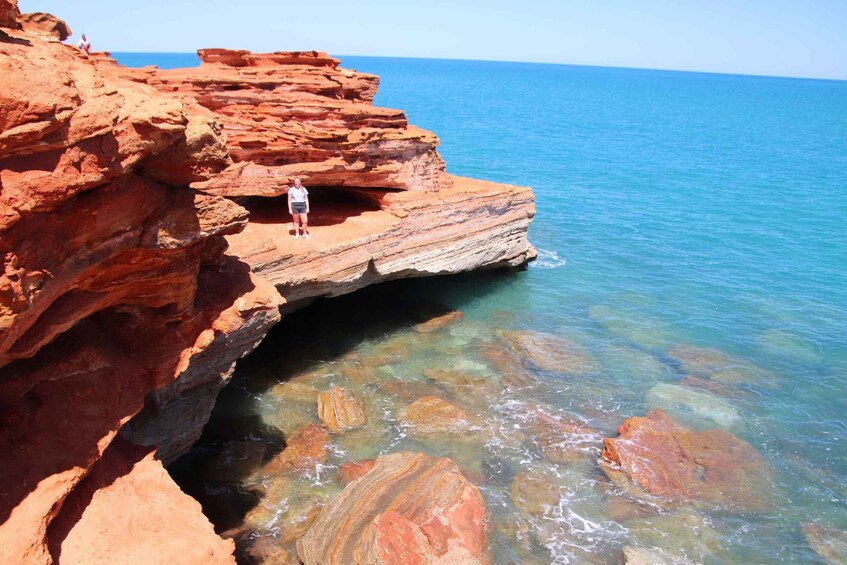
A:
(298, 207)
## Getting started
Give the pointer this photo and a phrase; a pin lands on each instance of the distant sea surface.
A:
(673, 209)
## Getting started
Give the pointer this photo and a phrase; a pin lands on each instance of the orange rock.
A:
(46, 25)
(432, 415)
(355, 469)
(128, 510)
(410, 508)
(304, 449)
(340, 410)
(670, 461)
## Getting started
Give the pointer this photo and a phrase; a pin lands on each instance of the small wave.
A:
(548, 259)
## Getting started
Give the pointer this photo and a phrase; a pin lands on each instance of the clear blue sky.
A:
(805, 38)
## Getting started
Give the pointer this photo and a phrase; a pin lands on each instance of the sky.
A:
(798, 38)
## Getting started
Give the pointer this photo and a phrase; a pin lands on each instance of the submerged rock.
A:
(409, 509)
(643, 556)
(439, 322)
(304, 450)
(829, 543)
(432, 415)
(684, 534)
(559, 440)
(718, 366)
(551, 353)
(340, 410)
(656, 456)
(236, 460)
(534, 492)
(684, 401)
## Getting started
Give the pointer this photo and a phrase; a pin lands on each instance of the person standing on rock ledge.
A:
(298, 207)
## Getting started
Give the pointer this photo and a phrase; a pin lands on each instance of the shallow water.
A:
(674, 209)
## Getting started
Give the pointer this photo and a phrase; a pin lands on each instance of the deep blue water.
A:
(673, 208)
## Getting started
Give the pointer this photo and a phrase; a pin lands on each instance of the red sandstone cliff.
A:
(133, 281)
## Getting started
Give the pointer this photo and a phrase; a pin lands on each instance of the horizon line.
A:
(738, 74)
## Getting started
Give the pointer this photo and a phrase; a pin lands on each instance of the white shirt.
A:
(298, 194)
(84, 44)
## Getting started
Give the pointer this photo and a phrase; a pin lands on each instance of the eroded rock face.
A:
(410, 508)
(47, 25)
(667, 460)
(132, 283)
(399, 214)
(113, 286)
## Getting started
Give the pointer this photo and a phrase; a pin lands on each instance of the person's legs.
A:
(295, 219)
(304, 221)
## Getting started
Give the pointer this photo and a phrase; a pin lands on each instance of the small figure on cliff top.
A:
(298, 207)
(84, 44)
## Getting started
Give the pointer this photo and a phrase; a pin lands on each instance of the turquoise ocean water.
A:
(673, 208)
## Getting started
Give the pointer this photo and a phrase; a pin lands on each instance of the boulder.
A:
(353, 470)
(409, 509)
(664, 459)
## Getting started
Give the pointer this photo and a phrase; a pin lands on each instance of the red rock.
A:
(304, 449)
(340, 410)
(9, 14)
(670, 461)
(355, 469)
(45, 25)
(128, 510)
(410, 508)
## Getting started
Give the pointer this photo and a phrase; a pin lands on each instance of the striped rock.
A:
(409, 509)
(340, 410)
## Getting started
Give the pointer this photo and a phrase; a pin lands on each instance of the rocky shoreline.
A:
(145, 251)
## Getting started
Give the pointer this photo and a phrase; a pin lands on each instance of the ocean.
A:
(674, 209)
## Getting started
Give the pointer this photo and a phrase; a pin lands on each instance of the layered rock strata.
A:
(409, 508)
(115, 284)
(146, 248)
(383, 205)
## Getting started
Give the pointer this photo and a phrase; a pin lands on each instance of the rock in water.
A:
(718, 366)
(432, 415)
(829, 543)
(340, 410)
(551, 353)
(438, 322)
(642, 556)
(684, 401)
(304, 450)
(665, 459)
(409, 509)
